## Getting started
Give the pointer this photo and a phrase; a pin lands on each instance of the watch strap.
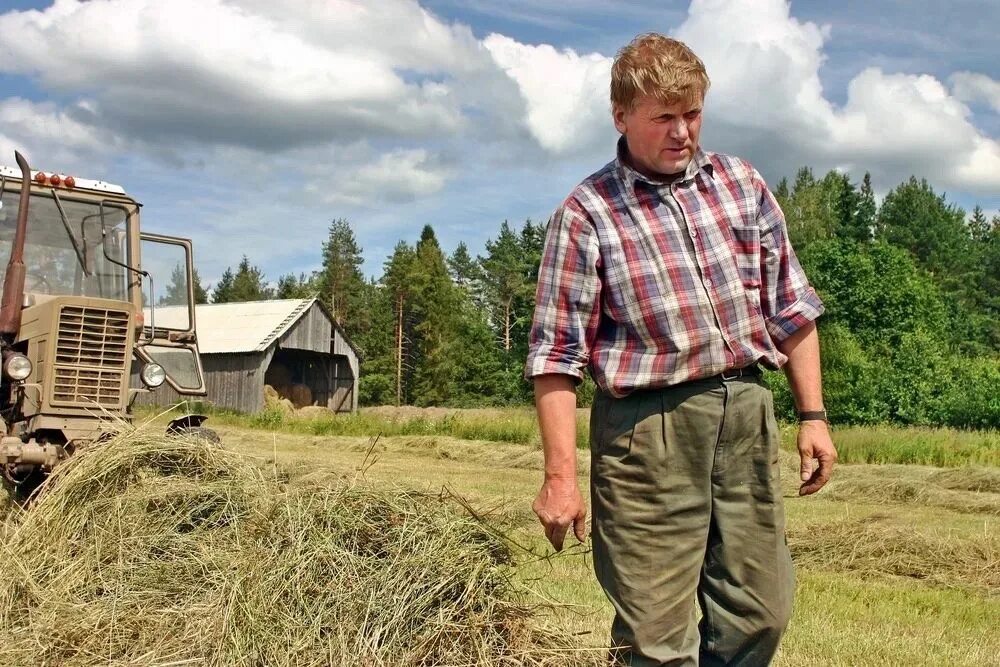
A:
(812, 415)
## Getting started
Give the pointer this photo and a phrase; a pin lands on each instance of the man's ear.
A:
(618, 115)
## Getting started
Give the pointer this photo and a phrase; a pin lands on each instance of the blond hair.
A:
(658, 66)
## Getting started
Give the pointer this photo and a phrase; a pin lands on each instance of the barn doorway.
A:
(311, 378)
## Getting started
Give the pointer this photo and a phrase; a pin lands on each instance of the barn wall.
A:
(236, 380)
(310, 333)
(344, 384)
(347, 369)
(315, 332)
(233, 381)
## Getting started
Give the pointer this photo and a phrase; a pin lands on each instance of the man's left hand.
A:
(814, 443)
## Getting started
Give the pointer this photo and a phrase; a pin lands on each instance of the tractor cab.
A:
(79, 313)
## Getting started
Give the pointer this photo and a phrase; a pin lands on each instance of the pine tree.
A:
(200, 293)
(377, 345)
(223, 292)
(437, 326)
(846, 208)
(532, 241)
(867, 210)
(465, 271)
(812, 210)
(914, 217)
(340, 279)
(504, 279)
(292, 287)
(396, 280)
(247, 284)
(979, 226)
(781, 191)
(176, 292)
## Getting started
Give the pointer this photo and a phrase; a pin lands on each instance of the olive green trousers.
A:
(687, 506)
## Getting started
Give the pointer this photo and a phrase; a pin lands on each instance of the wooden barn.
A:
(293, 345)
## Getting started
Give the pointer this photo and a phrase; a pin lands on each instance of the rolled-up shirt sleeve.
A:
(567, 299)
(788, 301)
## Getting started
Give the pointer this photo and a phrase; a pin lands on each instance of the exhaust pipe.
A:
(13, 284)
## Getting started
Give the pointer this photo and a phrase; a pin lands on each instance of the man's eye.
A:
(691, 115)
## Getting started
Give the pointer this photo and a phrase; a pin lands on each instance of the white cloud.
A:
(763, 63)
(393, 177)
(565, 94)
(49, 138)
(972, 87)
(211, 71)
(767, 100)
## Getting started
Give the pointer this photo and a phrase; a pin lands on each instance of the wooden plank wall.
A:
(315, 332)
(311, 332)
(233, 381)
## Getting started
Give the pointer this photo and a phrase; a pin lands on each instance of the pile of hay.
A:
(154, 550)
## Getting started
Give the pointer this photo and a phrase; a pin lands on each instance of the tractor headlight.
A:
(17, 367)
(153, 375)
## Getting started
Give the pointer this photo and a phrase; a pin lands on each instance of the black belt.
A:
(753, 370)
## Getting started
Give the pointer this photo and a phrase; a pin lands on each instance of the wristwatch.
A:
(812, 415)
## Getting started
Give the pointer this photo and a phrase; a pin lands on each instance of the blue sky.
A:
(249, 125)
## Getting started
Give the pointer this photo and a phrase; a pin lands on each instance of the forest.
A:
(911, 284)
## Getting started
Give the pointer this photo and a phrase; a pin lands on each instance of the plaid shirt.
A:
(651, 284)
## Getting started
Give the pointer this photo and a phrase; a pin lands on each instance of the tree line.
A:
(911, 332)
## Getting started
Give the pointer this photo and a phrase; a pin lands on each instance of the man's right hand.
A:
(559, 505)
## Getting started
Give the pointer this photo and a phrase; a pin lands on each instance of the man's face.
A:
(661, 138)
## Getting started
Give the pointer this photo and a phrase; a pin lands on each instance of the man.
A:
(669, 276)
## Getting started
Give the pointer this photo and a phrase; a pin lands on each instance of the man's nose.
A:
(679, 129)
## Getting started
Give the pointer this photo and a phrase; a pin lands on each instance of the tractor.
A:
(79, 334)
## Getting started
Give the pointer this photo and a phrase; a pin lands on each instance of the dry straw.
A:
(872, 547)
(166, 551)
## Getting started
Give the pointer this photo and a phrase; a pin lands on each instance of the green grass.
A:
(941, 447)
(513, 425)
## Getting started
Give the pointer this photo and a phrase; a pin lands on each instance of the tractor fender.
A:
(186, 422)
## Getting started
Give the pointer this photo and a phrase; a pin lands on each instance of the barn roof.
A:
(246, 326)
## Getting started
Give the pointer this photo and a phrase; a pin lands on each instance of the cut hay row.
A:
(969, 490)
(154, 550)
(872, 548)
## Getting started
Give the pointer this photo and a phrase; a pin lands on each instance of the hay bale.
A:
(278, 374)
(300, 395)
(314, 412)
(147, 550)
(271, 396)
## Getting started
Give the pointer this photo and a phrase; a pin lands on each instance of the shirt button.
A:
(708, 282)
(694, 233)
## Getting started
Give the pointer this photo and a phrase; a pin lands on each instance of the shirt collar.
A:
(630, 176)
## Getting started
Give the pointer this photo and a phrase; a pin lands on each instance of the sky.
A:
(248, 126)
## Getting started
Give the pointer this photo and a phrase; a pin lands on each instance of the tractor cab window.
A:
(168, 263)
(65, 251)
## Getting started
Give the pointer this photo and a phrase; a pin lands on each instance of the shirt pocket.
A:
(746, 249)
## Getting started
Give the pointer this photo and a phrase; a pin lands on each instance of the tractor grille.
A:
(91, 354)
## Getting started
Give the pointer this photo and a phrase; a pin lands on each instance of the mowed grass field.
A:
(898, 559)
